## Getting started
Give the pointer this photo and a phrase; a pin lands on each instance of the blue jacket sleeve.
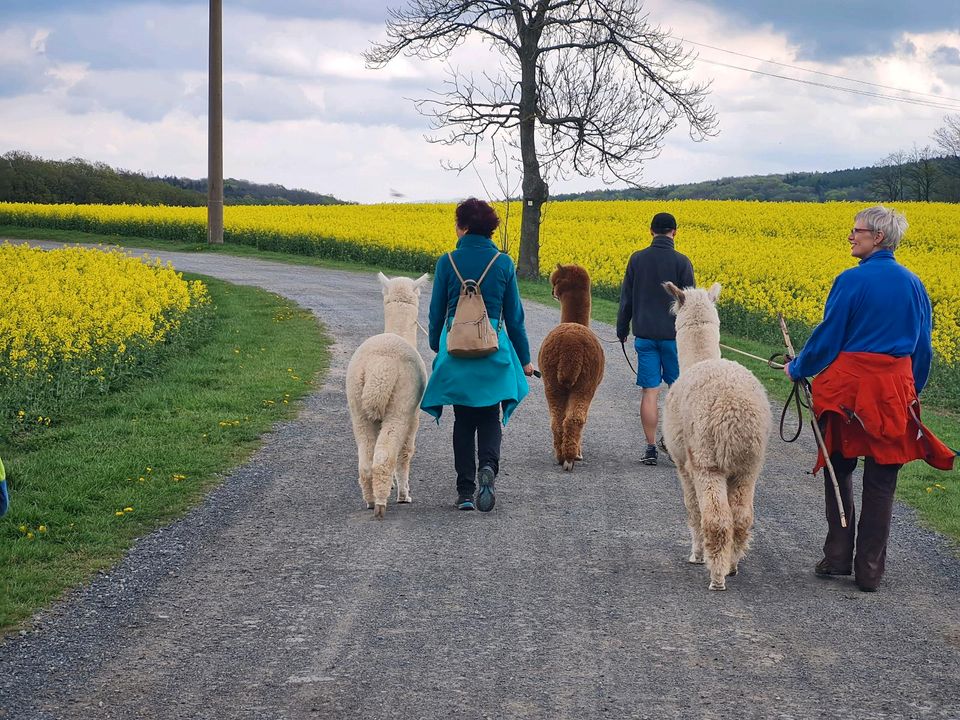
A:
(826, 340)
(438, 301)
(625, 311)
(513, 316)
(923, 354)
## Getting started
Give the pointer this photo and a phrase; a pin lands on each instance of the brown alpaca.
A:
(571, 360)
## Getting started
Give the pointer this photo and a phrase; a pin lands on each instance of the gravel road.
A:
(279, 597)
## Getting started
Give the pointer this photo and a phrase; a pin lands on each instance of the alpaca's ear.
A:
(383, 280)
(714, 292)
(559, 266)
(421, 281)
(676, 292)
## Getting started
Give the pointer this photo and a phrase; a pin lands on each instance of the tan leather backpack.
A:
(471, 335)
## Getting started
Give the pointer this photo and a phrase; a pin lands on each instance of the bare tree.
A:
(587, 86)
(922, 172)
(890, 176)
(948, 140)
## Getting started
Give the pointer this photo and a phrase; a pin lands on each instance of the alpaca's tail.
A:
(379, 380)
(569, 367)
(738, 434)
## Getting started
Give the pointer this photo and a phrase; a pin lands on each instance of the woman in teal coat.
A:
(477, 388)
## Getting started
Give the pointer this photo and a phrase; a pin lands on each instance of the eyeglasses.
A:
(856, 230)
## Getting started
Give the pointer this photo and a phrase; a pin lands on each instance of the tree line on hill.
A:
(26, 178)
(896, 178)
(926, 174)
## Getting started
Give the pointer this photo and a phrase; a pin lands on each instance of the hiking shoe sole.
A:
(486, 498)
(465, 504)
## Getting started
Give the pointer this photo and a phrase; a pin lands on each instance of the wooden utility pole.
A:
(215, 119)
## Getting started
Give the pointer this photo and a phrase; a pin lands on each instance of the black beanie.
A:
(663, 222)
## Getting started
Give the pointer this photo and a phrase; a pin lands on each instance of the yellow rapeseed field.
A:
(74, 317)
(769, 257)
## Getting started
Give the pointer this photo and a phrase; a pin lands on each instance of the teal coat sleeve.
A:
(513, 316)
(439, 301)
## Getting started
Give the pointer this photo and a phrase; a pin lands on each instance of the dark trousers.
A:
(876, 511)
(476, 442)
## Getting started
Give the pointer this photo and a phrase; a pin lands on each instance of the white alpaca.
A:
(386, 378)
(716, 420)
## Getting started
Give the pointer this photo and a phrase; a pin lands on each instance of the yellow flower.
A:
(752, 248)
(77, 315)
(42, 529)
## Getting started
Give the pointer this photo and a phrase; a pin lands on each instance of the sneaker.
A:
(824, 568)
(465, 502)
(650, 455)
(486, 498)
(662, 446)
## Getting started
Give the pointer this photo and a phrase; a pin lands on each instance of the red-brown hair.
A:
(477, 217)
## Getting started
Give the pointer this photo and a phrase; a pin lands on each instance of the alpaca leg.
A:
(693, 516)
(403, 465)
(390, 441)
(717, 525)
(574, 419)
(556, 402)
(740, 497)
(365, 434)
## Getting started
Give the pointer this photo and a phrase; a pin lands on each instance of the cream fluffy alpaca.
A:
(386, 378)
(716, 420)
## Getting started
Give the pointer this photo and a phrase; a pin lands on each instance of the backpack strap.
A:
(455, 269)
(487, 269)
(482, 275)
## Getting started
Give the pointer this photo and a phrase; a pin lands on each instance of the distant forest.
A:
(898, 177)
(25, 178)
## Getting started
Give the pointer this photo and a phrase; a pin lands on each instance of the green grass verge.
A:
(156, 445)
(938, 508)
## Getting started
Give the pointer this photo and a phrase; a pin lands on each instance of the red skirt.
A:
(867, 406)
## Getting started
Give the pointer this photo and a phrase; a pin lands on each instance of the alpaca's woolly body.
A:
(386, 378)
(716, 422)
(571, 361)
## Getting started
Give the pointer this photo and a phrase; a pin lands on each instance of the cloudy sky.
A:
(124, 82)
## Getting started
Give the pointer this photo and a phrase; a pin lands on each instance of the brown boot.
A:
(824, 568)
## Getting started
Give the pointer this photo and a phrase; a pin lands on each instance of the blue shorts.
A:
(656, 362)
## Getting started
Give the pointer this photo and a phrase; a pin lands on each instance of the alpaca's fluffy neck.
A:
(696, 343)
(575, 308)
(400, 318)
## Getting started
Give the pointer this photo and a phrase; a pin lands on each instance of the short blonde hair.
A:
(890, 222)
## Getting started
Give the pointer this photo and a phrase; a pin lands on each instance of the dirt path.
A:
(279, 598)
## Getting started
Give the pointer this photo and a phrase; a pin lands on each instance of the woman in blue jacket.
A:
(477, 388)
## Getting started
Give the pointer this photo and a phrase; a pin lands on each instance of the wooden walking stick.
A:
(813, 423)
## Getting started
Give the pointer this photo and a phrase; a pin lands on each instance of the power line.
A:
(825, 74)
(852, 91)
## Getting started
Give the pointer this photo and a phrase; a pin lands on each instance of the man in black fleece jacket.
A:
(646, 305)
